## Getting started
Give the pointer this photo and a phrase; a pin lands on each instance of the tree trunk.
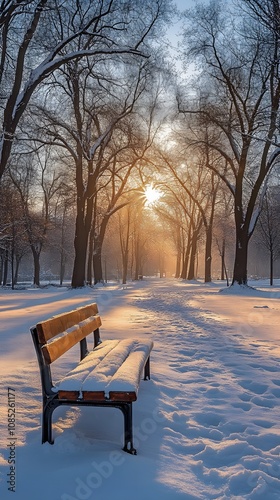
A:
(209, 231)
(98, 240)
(195, 236)
(62, 266)
(85, 201)
(90, 258)
(191, 273)
(178, 263)
(124, 266)
(241, 257)
(13, 266)
(6, 141)
(180, 252)
(187, 254)
(271, 266)
(1, 266)
(5, 267)
(125, 255)
(80, 245)
(15, 261)
(36, 263)
(124, 244)
(161, 265)
(137, 259)
(224, 274)
(62, 250)
(185, 263)
(223, 260)
(208, 255)
(97, 263)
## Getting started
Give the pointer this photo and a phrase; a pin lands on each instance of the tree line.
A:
(94, 110)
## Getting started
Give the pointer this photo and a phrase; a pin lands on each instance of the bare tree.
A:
(224, 229)
(40, 36)
(124, 222)
(13, 241)
(268, 228)
(95, 132)
(201, 188)
(238, 99)
(35, 207)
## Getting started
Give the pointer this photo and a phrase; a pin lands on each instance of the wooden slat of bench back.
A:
(53, 350)
(58, 324)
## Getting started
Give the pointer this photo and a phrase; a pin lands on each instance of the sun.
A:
(152, 194)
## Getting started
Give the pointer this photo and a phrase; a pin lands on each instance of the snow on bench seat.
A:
(111, 371)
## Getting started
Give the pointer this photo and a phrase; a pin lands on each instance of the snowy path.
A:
(221, 401)
(206, 425)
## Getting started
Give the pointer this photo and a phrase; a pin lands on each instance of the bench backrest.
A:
(58, 334)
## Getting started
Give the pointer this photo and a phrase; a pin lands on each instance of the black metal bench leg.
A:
(147, 369)
(126, 408)
(48, 409)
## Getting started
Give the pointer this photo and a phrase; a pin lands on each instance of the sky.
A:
(206, 426)
(174, 34)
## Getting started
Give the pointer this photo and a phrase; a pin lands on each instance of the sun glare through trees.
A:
(152, 195)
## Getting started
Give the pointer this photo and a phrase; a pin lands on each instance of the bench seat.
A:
(111, 371)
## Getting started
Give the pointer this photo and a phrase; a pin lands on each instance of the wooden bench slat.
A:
(123, 396)
(54, 349)
(75, 395)
(94, 396)
(58, 324)
(72, 395)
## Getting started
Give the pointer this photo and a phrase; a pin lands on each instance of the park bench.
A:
(108, 375)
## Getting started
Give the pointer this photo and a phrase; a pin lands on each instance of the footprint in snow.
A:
(254, 387)
(243, 406)
(266, 424)
(209, 419)
(263, 402)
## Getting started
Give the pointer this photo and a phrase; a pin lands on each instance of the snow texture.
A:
(206, 426)
(101, 370)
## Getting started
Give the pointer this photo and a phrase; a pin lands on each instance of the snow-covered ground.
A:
(206, 425)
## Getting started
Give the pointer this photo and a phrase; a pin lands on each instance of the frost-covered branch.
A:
(90, 40)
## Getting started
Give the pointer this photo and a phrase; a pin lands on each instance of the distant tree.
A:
(268, 229)
(13, 242)
(176, 221)
(201, 188)
(35, 207)
(104, 210)
(224, 229)
(61, 233)
(139, 242)
(124, 223)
